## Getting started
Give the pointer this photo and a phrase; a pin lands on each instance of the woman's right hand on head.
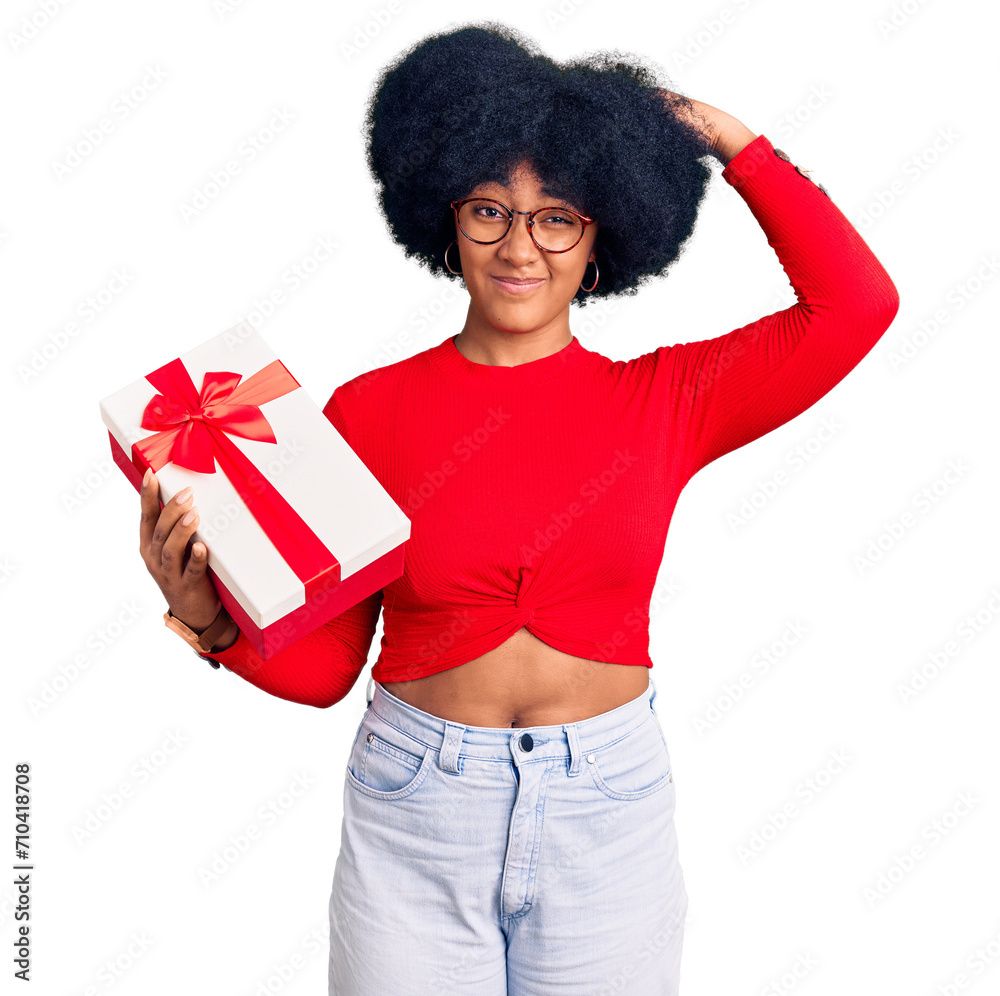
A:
(180, 572)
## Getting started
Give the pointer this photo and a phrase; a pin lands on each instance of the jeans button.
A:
(526, 742)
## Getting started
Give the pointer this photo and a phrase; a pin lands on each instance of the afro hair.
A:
(466, 106)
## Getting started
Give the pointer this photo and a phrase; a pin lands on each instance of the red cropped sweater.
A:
(540, 494)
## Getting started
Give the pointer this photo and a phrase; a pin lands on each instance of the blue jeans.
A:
(485, 861)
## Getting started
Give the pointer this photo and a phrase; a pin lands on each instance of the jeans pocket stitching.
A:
(624, 796)
(665, 779)
(420, 772)
(400, 753)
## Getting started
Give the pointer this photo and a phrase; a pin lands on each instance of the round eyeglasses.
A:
(552, 229)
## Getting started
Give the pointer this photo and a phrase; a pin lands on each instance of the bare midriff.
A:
(523, 682)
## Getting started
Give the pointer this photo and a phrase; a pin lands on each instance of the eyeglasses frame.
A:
(458, 204)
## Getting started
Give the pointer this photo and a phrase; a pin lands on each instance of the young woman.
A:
(509, 799)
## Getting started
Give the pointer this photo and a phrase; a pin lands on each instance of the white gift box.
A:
(333, 534)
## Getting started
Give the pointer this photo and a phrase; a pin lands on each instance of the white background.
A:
(868, 106)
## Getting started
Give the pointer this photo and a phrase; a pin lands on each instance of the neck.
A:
(481, 342)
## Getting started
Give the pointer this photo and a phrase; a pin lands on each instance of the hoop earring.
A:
(457, 273)
(597, 276)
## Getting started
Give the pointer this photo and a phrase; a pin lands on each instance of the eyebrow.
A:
(553, 199)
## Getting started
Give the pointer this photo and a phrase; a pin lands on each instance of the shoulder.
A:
(632, 371)
(375, 394)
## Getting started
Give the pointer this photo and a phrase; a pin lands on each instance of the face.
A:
(538, 305)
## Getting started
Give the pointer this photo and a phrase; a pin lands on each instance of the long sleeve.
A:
(322, 667)
(318, 670)
(725, 392)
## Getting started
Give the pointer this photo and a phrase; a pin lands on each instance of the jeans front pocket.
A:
(633, 767)
(385, 763)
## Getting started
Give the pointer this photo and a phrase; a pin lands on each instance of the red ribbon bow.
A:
(193, 430)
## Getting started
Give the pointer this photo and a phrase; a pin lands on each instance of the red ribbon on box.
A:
(193, 432)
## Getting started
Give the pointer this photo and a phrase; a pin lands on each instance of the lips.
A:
(516, 286)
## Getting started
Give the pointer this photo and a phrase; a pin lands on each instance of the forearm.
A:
(831, 268)
(320, 668)
(314, 671)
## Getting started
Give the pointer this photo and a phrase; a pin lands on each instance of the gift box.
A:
(297, 528)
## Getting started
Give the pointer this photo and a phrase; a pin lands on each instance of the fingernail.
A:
(183, 496)
(146, 476)
(190, 517)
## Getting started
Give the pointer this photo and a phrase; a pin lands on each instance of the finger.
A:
(173, 510)
(149, 495)
(175, 545)
(197, 563)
